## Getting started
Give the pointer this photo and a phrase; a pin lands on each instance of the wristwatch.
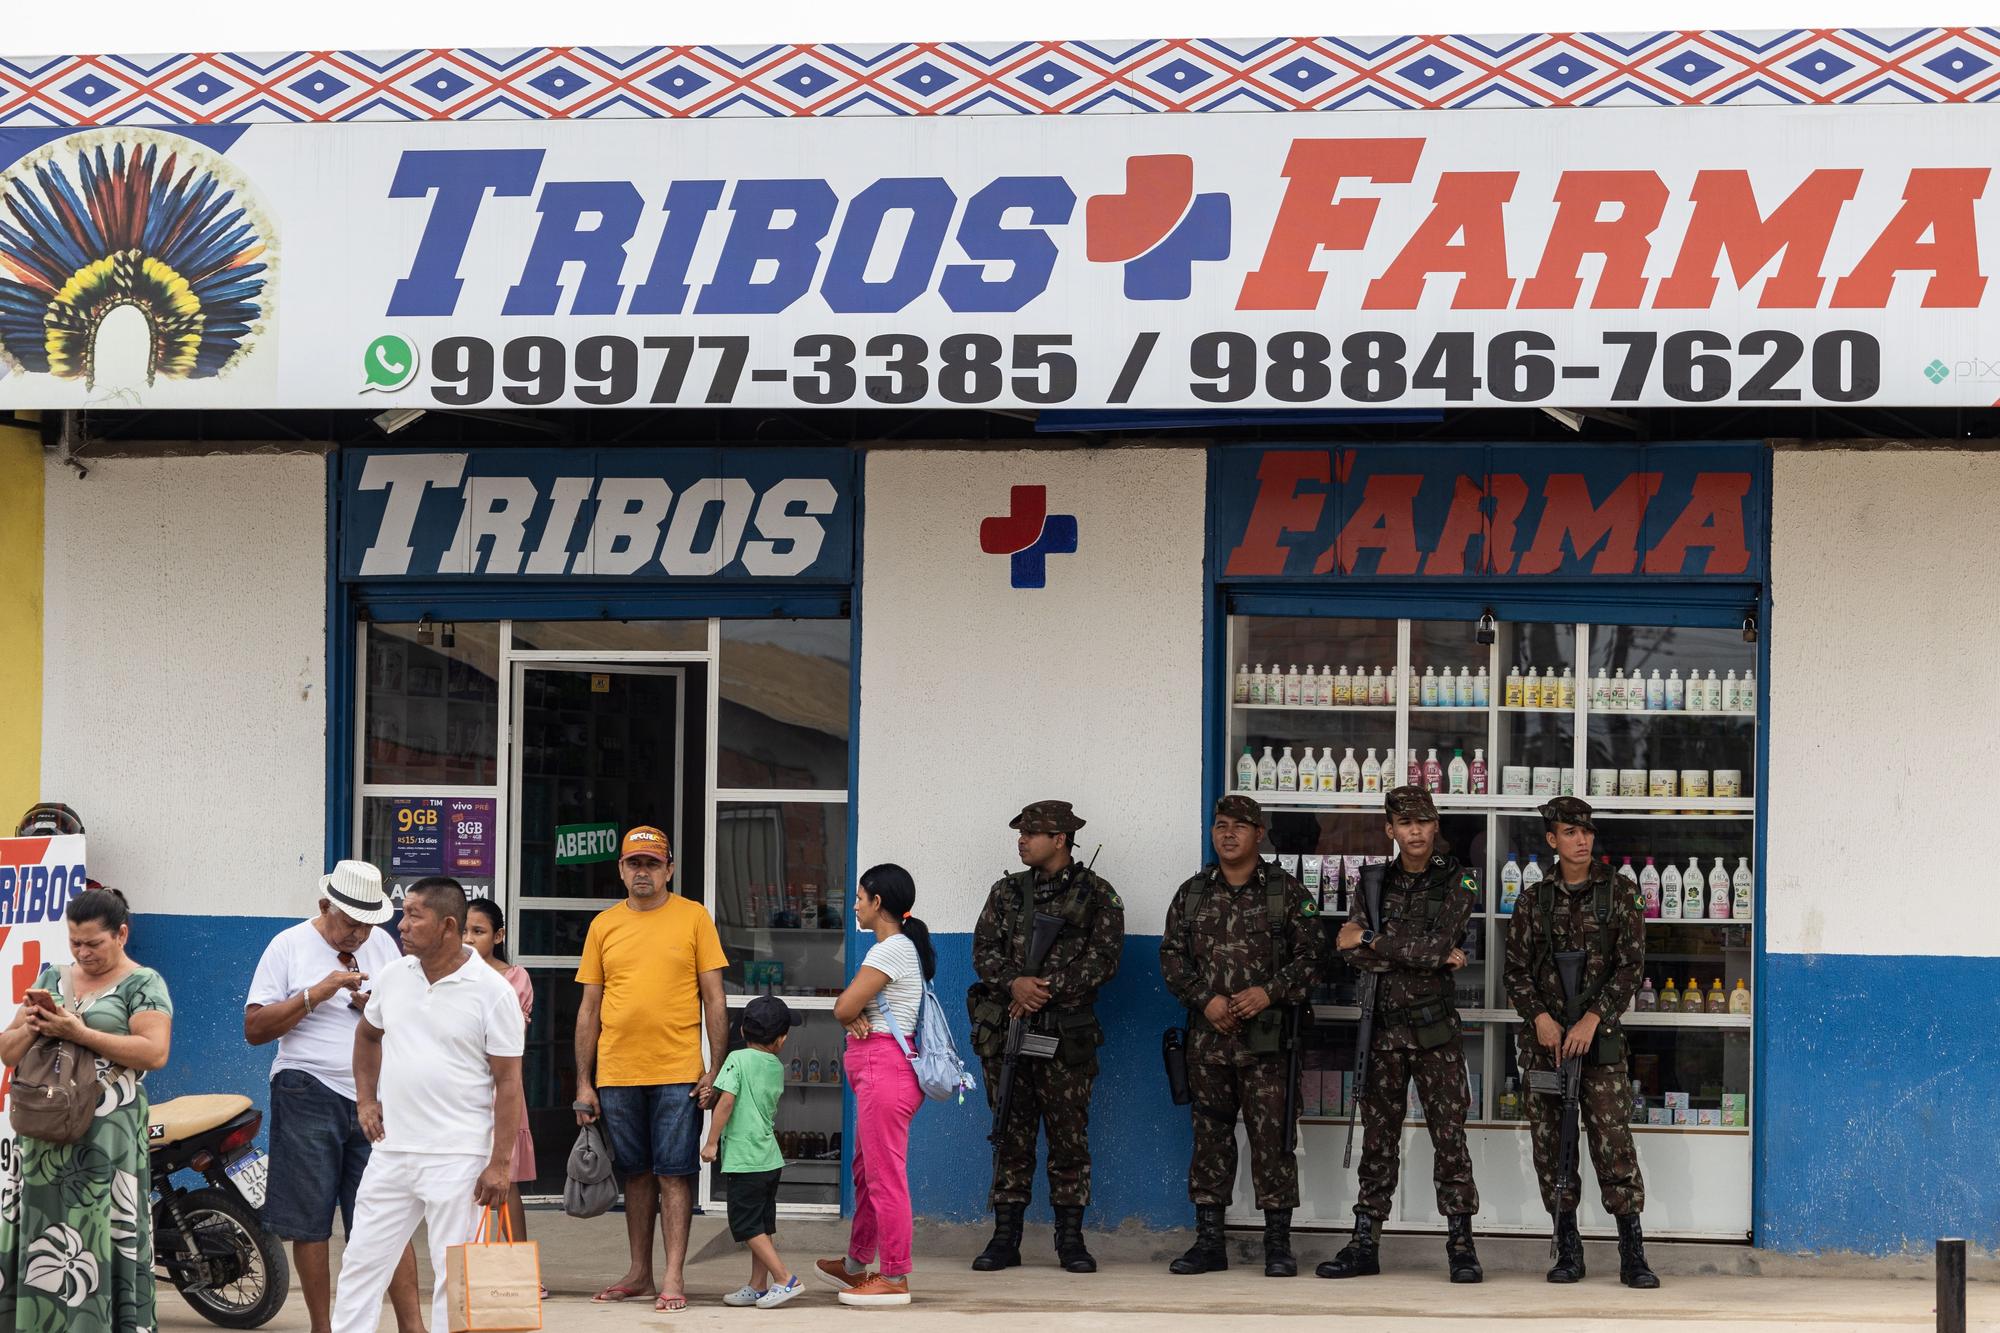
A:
(1367, 937)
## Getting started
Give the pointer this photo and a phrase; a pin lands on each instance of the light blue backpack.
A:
(940, 1073)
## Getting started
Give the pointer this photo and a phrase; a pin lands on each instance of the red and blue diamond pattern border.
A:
(1835, 66)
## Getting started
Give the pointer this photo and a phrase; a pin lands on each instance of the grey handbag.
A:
(590, 1189)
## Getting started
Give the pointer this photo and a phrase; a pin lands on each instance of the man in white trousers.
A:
(437, 1070)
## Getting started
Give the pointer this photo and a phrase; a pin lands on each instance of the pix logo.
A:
(1158, 228)
(1029, 534)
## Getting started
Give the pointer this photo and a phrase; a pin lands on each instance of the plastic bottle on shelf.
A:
(1647, 1001)
(1512, 698)
(1433, 771)
(1267, 772)
(1670, 998)
(797, 1070)
(1288, 771)
(1531, 875)
(1739, 999)
(1729, 693)
(1618, 699)
(1719, 888)
(1309, 689)
(1478, 772)
(1350, 772)
(1325, 686)
(1329, 771)
(1482, 690)
(1694, 892)
(1459, 775)
(1718, 999)
(1509, 1106)
(1742, 890)
(812, 1069)
(1243, 683)
(1292, 686)
(1510, 882)
(1378, 688)
(1309, 771)
(1428, 693)
(1416, 686)
(1246, 771)
(1746, 692)
(1256, 694)
(1448, 690)
(1371, 772)
(1670, 893)
(1676, 692)
(1343, 689)
(1531, 690)
(1649, 888)
(1416, 768)
(1565, 690)
(1465, 699)
(1691, 998)
(1656, 692)
(1714, 704)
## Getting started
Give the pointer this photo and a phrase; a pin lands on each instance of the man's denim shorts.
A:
(318, 1153)
(653, 1129)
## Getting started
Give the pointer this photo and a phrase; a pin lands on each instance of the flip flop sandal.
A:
(613, 1294)
(665, 1304)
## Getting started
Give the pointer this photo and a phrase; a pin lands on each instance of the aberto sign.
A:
(1678, 511)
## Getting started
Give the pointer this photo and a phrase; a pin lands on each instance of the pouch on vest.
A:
(989, 1023)
(1264, 1034)
(1080, 1035)
(1609, 1049)
(1433, 1023)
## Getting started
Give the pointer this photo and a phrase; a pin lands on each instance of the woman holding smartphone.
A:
(76, 1243)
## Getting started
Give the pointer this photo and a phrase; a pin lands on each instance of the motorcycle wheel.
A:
(222, 1226)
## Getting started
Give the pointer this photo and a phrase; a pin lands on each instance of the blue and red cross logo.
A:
(1029, 534)
(1158, 228)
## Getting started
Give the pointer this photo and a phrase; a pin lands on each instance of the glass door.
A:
(597, 748)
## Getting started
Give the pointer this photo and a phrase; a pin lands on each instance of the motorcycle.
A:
(209, 1242)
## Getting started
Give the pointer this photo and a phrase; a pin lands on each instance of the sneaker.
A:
(878, 1290)
(744, 1295)
(836, 1273)
(777, 1295)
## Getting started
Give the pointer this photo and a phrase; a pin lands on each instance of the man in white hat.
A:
(307, 995)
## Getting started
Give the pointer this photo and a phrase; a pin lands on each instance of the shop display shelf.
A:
(1526, 708)
(1697, 921)
(1316, 708)
(1718, 715)
(1451, 708)
(1685, 806)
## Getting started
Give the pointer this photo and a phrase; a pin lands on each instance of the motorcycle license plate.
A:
(247, 1173)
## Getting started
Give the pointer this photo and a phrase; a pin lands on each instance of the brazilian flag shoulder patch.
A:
(1471, 884)
(1307, 907)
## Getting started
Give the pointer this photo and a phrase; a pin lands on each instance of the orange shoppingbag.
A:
(494, 1286)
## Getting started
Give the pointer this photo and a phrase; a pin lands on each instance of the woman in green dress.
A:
(76, 1229)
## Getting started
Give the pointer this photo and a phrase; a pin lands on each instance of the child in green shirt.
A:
(741, 1134)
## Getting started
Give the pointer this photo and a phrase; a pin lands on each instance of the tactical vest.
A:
(1433, 1018)
(1610, 1048)
(1265, 1033)
(1077, 1029)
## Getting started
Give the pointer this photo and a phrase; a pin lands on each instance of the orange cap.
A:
(645, 841)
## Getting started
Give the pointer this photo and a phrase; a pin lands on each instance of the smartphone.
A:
(42, 1000)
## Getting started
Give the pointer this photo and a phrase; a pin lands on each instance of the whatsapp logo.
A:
(389, 364)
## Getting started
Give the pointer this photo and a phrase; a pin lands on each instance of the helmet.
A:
(48, 819)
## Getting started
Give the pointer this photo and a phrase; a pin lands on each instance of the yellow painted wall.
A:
(21, 534)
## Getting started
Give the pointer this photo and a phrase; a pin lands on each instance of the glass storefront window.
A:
(808, 1116)
(433, 709)
(584, 637)
(786, 693)
(781, 897)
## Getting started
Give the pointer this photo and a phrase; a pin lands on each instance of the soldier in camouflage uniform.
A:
(1056, 1000)
(1427, 898)
(1240, 950)
(1583, 906)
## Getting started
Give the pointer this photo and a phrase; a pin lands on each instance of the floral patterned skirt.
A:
(76, 1226)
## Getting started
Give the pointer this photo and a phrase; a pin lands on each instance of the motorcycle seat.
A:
(184, 1117)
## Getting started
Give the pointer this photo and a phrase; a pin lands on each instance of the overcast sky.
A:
(136, 27)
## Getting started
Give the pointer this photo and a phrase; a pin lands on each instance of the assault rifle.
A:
(1035, 1045)
(1566, 1082)
(1372, 878)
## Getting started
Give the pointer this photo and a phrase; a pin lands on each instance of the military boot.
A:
(1070, 1250)
(1567, 1246)
(1004, 1250)
(1208, 1254)
(1459, 1253)
(1360, 1257)
(1633, 1269)
(1278, 1258)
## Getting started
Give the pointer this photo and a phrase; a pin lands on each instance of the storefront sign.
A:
(740, 514)
(38, 877)
(586, 844)
(1675, 511)
(1578, 257)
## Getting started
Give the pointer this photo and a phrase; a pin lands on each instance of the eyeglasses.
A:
(348, 963)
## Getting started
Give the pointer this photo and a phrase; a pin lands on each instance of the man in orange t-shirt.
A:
(652, 978)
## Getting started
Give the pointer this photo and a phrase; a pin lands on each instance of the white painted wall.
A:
(1883, 579)
(977, 698)
(184, 676)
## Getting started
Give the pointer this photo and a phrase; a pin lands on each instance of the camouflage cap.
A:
(1046, 817)
(1570, 810)
(1409, 803)
(1238, 806)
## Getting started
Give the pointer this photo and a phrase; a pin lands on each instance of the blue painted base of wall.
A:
(1880, 1101)
(208, 961)
(1140, 1141)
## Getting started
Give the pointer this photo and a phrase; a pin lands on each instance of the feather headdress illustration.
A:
(139, 219)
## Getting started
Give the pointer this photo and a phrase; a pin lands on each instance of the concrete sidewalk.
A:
(1134, 1291)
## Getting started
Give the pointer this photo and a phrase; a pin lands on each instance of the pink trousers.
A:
(886, 1098)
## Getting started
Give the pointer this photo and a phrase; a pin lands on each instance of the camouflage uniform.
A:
(1054, 1092)
(1219, 940)
(1617, 956)
(1416, 1032)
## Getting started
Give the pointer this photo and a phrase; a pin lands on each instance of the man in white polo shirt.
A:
(307, 995)
(437, 1070)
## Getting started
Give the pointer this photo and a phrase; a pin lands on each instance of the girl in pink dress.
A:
(486, 932)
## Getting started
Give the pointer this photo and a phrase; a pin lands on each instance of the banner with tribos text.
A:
(1590, 258)
(38, 877)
